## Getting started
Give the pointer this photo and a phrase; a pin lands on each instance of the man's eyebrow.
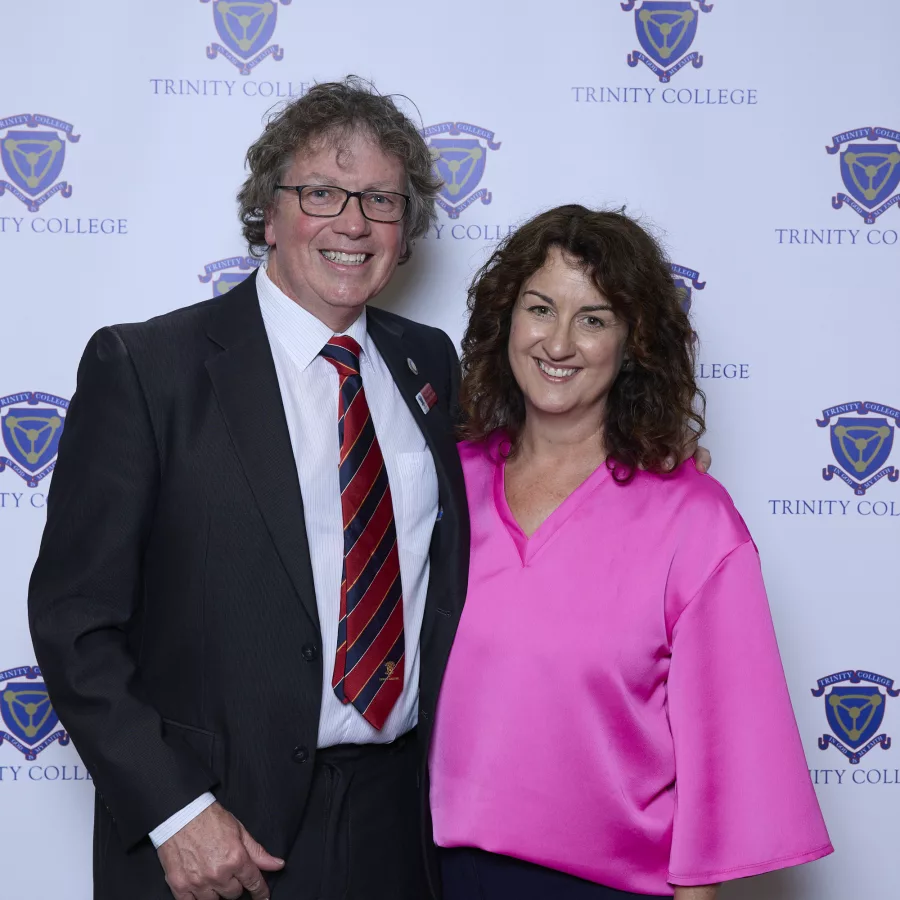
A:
(318, 178)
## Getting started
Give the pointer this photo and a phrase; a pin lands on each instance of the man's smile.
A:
(345, 259)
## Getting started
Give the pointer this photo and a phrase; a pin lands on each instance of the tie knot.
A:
(342, 352)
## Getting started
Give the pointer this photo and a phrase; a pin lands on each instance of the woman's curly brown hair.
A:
(655, 407)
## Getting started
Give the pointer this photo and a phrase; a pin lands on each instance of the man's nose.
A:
(351, 220)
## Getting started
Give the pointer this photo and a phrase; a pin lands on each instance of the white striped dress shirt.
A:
(309, 393)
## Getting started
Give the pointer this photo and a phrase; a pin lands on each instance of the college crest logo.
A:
(26, 711)
(666, 32)
(459, 160)
(33, 159)
(855, 711)
(245, 27)
(861, 444)
(226, 280)
(31, 424)
(686, 281)
(870, 170)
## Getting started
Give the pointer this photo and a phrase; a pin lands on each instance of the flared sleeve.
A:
(744, 802)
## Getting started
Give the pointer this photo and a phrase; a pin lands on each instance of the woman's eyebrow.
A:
(600, 307)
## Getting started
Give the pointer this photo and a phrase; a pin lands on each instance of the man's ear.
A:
(268, 215)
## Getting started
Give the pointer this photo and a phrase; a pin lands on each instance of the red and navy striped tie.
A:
(368, 668)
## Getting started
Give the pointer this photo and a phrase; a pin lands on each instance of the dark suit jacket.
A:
(172, 605)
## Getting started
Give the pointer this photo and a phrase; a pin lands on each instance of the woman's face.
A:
(566, 345)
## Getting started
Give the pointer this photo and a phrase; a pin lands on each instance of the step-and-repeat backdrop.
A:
(759, 138)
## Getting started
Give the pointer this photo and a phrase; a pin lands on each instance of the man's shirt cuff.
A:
(175, 823)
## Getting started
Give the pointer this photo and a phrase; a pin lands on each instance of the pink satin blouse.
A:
(614, 705)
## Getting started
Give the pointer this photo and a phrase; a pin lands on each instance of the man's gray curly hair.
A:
(329, 113)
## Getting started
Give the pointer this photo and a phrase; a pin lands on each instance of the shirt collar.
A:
(300, 333)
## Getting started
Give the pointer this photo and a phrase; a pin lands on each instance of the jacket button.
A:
(300, 755)
(310, 652)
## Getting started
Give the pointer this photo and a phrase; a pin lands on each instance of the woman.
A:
(614, 720)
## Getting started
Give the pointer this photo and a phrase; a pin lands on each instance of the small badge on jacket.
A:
(426, 398)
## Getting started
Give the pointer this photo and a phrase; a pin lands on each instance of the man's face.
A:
(303, 250)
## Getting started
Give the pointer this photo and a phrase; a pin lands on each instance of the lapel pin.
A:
(426, 398)
(412, 366)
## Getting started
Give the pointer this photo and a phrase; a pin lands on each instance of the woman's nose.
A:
(559, 344)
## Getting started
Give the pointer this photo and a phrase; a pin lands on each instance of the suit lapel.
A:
(435, 425)
(246, 387)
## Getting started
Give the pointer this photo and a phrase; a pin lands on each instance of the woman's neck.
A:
(558, 439)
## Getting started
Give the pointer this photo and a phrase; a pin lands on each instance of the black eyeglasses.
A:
(327, 201)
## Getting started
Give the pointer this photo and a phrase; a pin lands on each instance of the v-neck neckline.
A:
(529, 547)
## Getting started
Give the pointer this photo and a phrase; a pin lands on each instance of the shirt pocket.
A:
(415, 500)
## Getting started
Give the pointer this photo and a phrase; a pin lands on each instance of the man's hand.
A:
(214, 856)
(701, 457)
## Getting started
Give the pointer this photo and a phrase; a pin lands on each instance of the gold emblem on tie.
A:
(389, 667)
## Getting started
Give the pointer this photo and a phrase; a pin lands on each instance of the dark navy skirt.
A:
(470, 874)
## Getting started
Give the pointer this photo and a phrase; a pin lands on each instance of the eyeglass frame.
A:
(350, 194)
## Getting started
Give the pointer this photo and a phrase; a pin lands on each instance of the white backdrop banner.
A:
(759, 138)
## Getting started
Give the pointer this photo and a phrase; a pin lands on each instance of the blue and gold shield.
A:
(854, 713)
(686, 282)
(26, 711)
(246, 26)
(32, 435)
(871, 172)
(666, 30)
(226, 281)
(685, 294)
(861, 446)
(32, 159)
(460, 163)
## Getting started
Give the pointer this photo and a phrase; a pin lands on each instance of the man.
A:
(246, 593)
